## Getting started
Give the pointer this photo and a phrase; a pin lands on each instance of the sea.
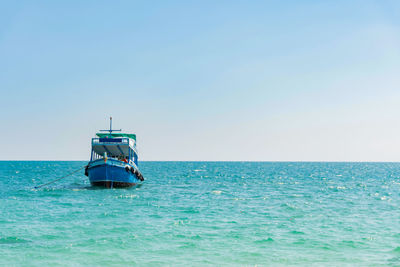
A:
(203, 214)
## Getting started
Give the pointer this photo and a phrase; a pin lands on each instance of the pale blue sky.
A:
(202, 80)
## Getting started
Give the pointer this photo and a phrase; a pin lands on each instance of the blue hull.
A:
(109, 175)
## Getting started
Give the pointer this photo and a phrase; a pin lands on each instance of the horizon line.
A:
(277, 161)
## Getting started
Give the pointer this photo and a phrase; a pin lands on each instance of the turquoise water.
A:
(203, 213)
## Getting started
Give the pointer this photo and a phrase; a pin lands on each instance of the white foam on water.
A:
(128, 196)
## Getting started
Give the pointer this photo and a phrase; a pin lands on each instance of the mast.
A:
(111, 130)
(110, 125)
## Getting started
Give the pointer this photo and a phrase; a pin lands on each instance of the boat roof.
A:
(113, 135)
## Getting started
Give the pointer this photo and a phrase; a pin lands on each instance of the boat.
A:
(113, 160)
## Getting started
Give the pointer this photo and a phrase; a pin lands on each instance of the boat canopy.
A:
(114, 135)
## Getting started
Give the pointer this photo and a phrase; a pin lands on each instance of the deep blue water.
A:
(203, 214)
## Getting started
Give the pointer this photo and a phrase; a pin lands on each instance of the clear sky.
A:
(202, 80)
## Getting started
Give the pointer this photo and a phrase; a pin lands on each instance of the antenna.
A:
(111, 130)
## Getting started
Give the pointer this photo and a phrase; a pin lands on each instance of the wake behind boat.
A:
(113, 160)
